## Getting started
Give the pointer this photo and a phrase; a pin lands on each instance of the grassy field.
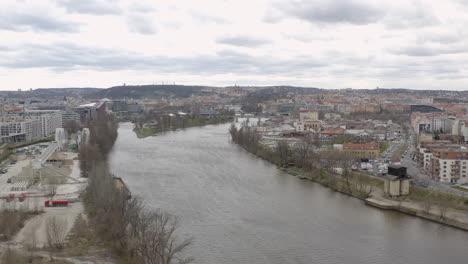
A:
(419, 194)
(460, 188)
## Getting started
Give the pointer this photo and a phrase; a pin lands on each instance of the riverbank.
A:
(442, 214)
(147, 130)
(452, 217)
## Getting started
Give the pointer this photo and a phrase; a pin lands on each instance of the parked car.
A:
(22, 197)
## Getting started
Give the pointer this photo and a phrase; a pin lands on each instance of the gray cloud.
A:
(94, 7)
(141, 24)
(330, 11)
(22, 20)
(417, 15)
(356, 12)
(242, 41)
(68, 57)
(423, 51)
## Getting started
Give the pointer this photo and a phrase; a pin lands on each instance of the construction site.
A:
(45, 178)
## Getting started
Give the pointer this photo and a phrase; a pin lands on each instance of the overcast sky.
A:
(317, 43)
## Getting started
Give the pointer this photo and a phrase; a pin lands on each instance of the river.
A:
(240, 209)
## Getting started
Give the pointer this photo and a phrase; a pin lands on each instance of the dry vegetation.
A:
(15, 256)
(11, 221)
(303, 160)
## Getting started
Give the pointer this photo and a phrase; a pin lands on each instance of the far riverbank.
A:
(174, 123)
(444, 208)
(436, 213)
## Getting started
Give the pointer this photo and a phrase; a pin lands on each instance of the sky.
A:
(418, 44)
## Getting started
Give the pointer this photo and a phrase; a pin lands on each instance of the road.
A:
(412, 168)
(415, 172)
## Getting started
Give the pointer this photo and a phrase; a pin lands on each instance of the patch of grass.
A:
(6, 153)
(22, 145)
(460, 188)
(145, 132)
(384, 146)
(419, 194)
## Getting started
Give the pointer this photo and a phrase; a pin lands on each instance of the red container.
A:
(55, 203)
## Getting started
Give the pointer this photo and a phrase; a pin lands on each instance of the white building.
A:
(30, 125)
(70, 116)
(20, 131)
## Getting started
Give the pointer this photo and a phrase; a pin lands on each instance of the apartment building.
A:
(424, 147)
(29, 125)
(303, 115)
(70, 116)
(50, 120)
(449, 165)
(15, 131)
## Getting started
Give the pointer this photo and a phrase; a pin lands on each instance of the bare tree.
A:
(303, 150)
(363, 189)
(56, 231)
(284, 151)
(72, 127)
(52, 185)
(31, 234)
(347, 180)
(427, 206)
(443, 206)
(153, 238)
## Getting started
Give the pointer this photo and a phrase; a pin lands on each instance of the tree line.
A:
(331, 168)
(162, 121)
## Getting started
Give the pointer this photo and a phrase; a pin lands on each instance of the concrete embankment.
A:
(449, 216)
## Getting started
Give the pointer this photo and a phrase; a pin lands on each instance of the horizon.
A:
(228, 86)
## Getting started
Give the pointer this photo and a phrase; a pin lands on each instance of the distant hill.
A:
(149, 91)
(49, 92)
(183, 91)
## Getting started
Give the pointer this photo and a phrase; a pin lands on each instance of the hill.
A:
(49, 92)
(149, 91)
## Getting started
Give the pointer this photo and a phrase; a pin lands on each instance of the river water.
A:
(240, 209)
